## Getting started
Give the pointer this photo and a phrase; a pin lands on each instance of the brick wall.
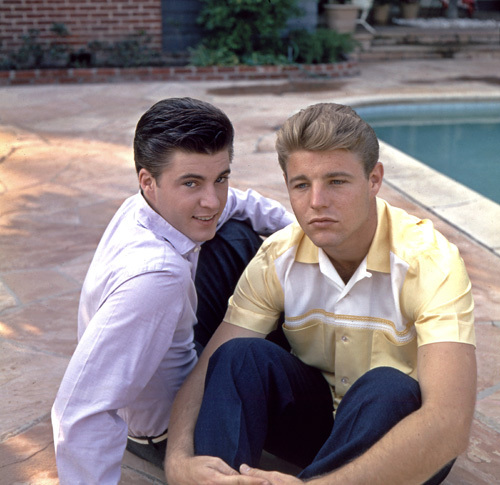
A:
(86, 20)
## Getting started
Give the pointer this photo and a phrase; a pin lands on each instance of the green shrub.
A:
(29, 55)
(203, 56)
(249, 29)
(133, 51)
(321, 46)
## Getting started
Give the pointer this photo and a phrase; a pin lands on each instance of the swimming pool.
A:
(458, 139)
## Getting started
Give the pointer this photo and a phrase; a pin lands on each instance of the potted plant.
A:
(341, 15)
(409, 9)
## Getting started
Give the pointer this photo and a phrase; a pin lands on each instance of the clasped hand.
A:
(208, 470)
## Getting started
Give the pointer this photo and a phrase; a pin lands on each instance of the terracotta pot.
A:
(341, 17)
(381, 14)
(410, 10)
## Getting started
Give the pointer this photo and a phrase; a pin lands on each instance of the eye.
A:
(337, 182)
(300, 186)
(222, 179)
(190, 184)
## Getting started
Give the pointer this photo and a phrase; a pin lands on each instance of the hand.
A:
(274, 478)
(209, 470)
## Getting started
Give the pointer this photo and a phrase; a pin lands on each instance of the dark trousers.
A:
(259, 396)
(221, 263)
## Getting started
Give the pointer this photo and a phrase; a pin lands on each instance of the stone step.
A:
(436, 51)
(427, 37)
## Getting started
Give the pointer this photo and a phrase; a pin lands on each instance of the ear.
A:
(148, 184)
(375, 178)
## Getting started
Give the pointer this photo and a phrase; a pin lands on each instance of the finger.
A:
(254, 472)
(246, 470)
(243, 480)
(222, 467)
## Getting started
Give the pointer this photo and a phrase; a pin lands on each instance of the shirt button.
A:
(344, 380)
(344, 338)
(196, 249)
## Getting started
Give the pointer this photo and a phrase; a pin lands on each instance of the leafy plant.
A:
(33, 53)
(203, 56)
(132, 51)
(30, 53)
(246, 29)
(321, 46)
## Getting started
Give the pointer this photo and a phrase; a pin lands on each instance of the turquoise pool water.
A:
(460, 140)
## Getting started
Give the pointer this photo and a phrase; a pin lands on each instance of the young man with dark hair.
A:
(153, 294)
(380, 385)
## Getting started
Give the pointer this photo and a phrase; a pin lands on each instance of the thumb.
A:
(260, 475)
(246, 470)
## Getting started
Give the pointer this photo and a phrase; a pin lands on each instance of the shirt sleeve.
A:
(117, 355)
(265, 215)
(258, 299)
(437, 296)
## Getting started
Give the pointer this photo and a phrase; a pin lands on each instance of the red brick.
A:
(214, 77)
(206, 70)
(29, 74)
(182, 70)
(225, 69)
(84, 73)
(247, 68)
(21, 82)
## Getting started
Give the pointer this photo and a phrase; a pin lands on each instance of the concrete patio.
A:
(66, 165)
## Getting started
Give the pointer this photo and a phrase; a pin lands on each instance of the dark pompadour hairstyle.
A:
(180, 124)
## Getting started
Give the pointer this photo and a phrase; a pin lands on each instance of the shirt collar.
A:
(378, 258)
(152, 221)
(379, 254)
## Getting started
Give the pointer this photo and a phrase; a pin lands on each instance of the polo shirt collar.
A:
(152, 221)
(379, 254)
(307, 251)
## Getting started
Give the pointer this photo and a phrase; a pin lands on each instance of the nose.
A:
(318, 197)
(210, 199)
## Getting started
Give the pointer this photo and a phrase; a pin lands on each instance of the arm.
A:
(182, 467)
(436, 296)
(426, 440)
(107, 372)
(258, 299)
(265, 215)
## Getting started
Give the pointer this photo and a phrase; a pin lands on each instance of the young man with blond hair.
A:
(379, 386)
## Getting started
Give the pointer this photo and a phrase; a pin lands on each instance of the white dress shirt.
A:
(135, 329)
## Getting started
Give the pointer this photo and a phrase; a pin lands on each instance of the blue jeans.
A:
(259, 396)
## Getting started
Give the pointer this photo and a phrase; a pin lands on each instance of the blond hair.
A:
(328, 126)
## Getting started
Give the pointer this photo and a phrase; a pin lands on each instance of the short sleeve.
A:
(437, 297)
(258, 299)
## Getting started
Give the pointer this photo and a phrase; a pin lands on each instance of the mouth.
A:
(205, 218)
(322, 221)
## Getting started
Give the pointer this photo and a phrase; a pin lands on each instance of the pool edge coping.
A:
(433, 190)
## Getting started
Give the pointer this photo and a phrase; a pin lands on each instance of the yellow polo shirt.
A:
(411, 289)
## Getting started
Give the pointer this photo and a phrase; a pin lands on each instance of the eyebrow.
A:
(328, 175)
(197, 176)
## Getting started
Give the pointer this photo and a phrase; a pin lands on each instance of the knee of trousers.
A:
(241, 358)
(239, 349)
(386, 388)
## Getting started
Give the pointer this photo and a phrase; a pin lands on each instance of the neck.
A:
(346, 260)
(345, 269)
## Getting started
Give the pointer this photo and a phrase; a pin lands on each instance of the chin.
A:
(201, 238)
